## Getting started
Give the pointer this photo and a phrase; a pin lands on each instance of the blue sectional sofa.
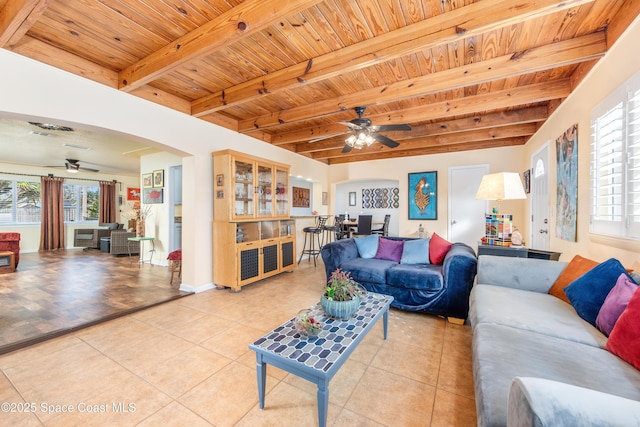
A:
(441, 289)
(536, 362)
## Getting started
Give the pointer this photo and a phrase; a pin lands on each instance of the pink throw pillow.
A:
(624, 340)
(615, 303)
(438, 249)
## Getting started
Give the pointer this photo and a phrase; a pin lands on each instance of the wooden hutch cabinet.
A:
(253, 237)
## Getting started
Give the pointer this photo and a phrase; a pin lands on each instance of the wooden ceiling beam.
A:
(390, 154)
(457, 126)
(460, 23)
(16, 17)
(483, 135)
(244, 20)
(502, 118)
(580, 49)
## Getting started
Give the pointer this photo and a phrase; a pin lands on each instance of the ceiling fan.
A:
(364, 133)
(73, 166)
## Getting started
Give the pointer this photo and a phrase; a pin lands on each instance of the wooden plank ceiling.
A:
(463, 74)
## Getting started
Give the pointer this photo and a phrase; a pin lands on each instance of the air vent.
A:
(79, 147)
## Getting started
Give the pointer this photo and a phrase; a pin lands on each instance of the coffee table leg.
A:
(385, 322)
(261, 370)
(323, 403)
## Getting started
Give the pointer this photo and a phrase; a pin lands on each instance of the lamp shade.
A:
(501, 186)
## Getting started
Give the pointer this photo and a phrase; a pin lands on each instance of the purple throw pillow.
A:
(390, 249)
(615, 304)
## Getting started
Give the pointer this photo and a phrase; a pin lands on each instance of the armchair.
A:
(121, 246)
(11, 242)
(89, 238)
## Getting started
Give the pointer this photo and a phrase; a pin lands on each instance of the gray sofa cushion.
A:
(502, 353)
(540, 402)
(417, 276)
(369, 270)
(541, 313)
(535, 275)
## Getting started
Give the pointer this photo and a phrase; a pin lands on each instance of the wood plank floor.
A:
(53, 293)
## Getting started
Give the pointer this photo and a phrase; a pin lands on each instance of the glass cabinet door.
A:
(243, 192)
(265, 190)
(282, 192)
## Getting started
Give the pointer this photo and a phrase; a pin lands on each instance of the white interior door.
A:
(466, 213)
(540, 199)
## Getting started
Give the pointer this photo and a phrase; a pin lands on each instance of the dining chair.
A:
(384, 230)
(364, 226)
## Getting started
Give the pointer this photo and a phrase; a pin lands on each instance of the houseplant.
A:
(342, 295)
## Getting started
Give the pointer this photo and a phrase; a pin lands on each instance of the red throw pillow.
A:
(624, 340)
(438, 249)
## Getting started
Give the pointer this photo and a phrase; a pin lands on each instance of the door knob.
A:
(543, 231)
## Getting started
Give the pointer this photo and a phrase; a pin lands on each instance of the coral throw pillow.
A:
(438, 249)
(576, 268)
(615, 304)
(624, 340)
(390, 249)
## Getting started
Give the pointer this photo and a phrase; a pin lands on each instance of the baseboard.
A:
(197, 289)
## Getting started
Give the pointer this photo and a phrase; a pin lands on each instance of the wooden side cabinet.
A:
(247, 187)
(245, 252)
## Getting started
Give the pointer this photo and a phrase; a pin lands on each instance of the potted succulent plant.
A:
(342, 295)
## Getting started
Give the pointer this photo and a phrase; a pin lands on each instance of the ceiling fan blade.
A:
(383, 128)
(352, 126)
(385, 140)
(346, 148)
(89, 169)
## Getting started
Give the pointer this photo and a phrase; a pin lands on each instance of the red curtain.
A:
(107, 202)
(52, 223)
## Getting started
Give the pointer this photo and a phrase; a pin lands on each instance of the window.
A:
(81, 202)
(615, 163)
(19, 202)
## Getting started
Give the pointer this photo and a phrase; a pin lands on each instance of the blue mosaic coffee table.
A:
(319, 359)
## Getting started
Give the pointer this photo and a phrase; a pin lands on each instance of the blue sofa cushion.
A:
(588, 292)
(415, 252)
(367, 246)
(416, 276)
(369, 270)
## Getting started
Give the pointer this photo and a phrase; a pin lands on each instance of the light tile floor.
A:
(187, 363)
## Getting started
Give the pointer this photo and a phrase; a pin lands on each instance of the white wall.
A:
(508, 159)
(342, 202)
(32, 90)
(620, 63)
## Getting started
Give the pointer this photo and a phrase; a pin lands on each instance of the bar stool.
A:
(313, 233)
(333, 232)
(176, 263)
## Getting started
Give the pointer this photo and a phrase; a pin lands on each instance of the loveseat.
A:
(10, 241)
(407, 272)
(536, 361)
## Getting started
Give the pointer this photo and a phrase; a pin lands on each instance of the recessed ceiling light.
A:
(79, 147)
(37, 132)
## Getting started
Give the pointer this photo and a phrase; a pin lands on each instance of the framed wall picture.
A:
(352, 198)
(423, 195)
(301, 197)
(152, 196)
(220, 194)
(133, 194)
(158, 178)
(219, 180)
(147, 180)
(526, 181)
(325, 198)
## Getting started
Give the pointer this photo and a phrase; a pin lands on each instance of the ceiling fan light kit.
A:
(365, 134)
(72, 167)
